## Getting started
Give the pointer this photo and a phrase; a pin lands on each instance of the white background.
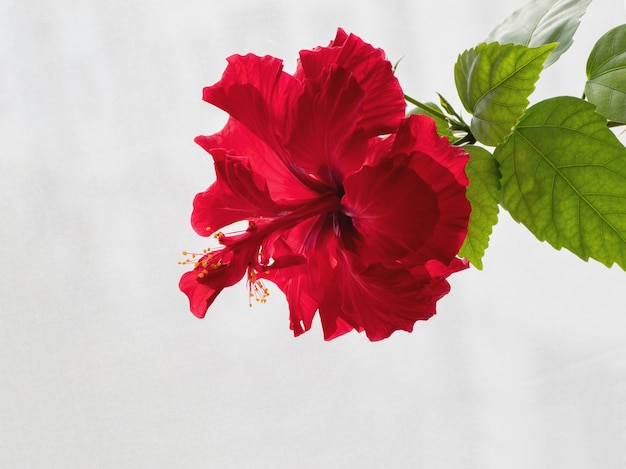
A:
(102, 365)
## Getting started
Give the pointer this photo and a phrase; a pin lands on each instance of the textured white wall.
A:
(103, 366)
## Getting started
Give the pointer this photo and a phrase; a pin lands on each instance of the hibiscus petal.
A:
(377, 299)
(235, 196)
(200, 296)
(216, 271)
(324, 140)
(378, 148)
(266, 167)
(302, 304)
(255, 91)
(418, 134)
(437, 270)
(392, 209)
(384, 105)
(296, 282)
(442, 167)
(340, 38)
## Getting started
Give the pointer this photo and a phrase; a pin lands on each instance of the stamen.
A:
(256, 288)
(191, 257)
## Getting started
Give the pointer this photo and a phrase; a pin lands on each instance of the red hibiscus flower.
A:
(353, 211)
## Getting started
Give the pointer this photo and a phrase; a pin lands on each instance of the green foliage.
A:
(542, 22)
(448, 107)
(606, 73)
(494, 82)
(483, 194)
(557, 167)
(564, 177)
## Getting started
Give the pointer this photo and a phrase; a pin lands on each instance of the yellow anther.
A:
(256, 288)
(196, 258)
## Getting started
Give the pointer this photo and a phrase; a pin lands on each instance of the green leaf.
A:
(606, 73)
(542, 22)
(483, 194)
(494, 82)
(564, 177)
(443, 128)
(447, 106)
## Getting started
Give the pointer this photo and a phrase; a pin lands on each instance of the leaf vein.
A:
(575, 190)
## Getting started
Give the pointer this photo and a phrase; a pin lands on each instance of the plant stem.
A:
(450, 109)
(454, 124)
(428, 109)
